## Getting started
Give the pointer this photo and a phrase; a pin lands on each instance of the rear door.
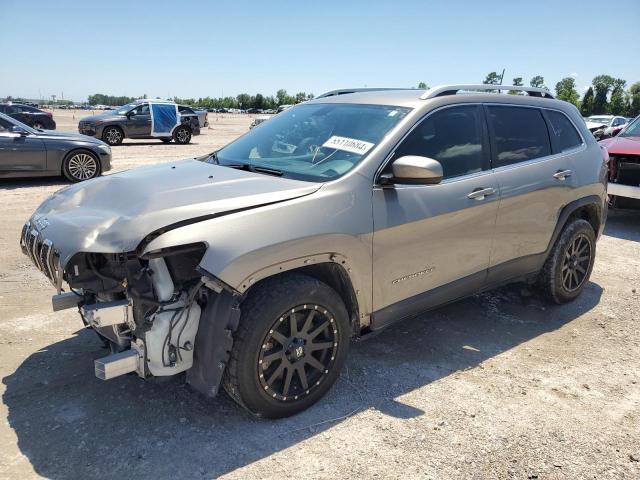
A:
(20, 153)
(533, 163)
(429, 236)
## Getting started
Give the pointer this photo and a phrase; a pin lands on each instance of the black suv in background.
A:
(134, 121)
(31, 116)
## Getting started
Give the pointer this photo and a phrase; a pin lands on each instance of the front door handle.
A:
(562, 174)
(481, 193)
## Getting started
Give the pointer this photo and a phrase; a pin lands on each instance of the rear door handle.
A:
(481, 193)
(562, 174)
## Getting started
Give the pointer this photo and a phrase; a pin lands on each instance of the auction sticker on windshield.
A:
(348, 144)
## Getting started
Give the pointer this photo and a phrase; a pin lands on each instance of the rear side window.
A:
(520, 134)
(453, 136)
(563, 133)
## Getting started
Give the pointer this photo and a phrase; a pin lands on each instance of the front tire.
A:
(182, 135)
(38, 126)
(81, 165)
(290, 346)
(112, 136)
(570, 262)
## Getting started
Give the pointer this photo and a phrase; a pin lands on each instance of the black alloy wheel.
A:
(298, 352)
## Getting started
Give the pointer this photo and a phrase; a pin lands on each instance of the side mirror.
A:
(414, 170)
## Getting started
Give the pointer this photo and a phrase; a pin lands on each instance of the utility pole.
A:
(502, 77)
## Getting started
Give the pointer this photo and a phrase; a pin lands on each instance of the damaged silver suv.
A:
(253, 267)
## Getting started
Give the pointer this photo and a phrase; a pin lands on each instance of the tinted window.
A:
(563, 132)
(453, 136)
(185, 110)
(520, 134)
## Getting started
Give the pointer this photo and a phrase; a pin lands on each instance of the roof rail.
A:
(443, 90)
(344, 91)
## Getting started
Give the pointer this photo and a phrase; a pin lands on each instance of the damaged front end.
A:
(159, 313)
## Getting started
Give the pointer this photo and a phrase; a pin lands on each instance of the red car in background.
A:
(624, 166)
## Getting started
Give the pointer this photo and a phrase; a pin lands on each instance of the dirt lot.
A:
(500, 385)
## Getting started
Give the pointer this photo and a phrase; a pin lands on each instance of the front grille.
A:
(41, 252)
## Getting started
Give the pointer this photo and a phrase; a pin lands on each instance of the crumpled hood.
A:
(622, 145)
(114, 213)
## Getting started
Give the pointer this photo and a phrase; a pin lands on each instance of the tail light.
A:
(49, 114)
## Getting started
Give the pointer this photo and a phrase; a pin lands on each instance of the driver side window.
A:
(141, 110)
(454, 137)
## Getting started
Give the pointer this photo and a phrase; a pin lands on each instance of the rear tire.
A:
(81, 165)
(182, 135)
(112, 136)
(290, 346)
(570, 262)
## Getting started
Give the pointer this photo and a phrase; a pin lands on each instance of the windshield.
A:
(315, 142)
(123, 109)
(632, 130)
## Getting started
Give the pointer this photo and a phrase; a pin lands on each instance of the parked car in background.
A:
(203, 118)
(34, 117)
(601, 125)
(282, 108)
(624, 166)
(252, 268)
(258, 120)
(136, 120)
(29, 152)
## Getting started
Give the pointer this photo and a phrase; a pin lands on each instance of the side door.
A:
(431, 243)
(139, 121)
(535, 172)
(20, 152)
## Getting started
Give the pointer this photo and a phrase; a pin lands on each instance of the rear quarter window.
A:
(518, 134)
(564, 135)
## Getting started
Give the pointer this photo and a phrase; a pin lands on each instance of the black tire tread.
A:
(547, 277)
(264, 293)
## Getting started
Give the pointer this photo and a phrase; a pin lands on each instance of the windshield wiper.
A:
(253, 168)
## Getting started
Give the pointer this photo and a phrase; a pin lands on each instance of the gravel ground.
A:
(501, 385)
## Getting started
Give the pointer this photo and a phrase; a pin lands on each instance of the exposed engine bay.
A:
(147, 310)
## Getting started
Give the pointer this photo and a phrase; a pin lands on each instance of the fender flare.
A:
(571, 208)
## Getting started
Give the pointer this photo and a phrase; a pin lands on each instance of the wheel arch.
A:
(80, 149)
(333, 273)
(591, 208)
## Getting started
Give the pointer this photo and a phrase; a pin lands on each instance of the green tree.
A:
(618, 105)
(422, 86)
(566, 90)
(518, 83)
(601, 84)
(537, 82)
(634, 104)
(586, 106)
(244, 100)
(492, 78)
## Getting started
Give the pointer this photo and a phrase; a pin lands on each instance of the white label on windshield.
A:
(348, 144)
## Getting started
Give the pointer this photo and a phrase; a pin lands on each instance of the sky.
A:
(193, 49)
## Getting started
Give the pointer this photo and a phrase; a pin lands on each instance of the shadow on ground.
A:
(623, 224)
(71, 425)
(16, 183)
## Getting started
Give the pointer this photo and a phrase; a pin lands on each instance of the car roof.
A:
(419, 99)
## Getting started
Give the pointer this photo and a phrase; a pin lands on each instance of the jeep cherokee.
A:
(252, 268)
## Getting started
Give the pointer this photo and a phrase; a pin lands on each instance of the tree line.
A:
(605, 95)
(243, 100)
